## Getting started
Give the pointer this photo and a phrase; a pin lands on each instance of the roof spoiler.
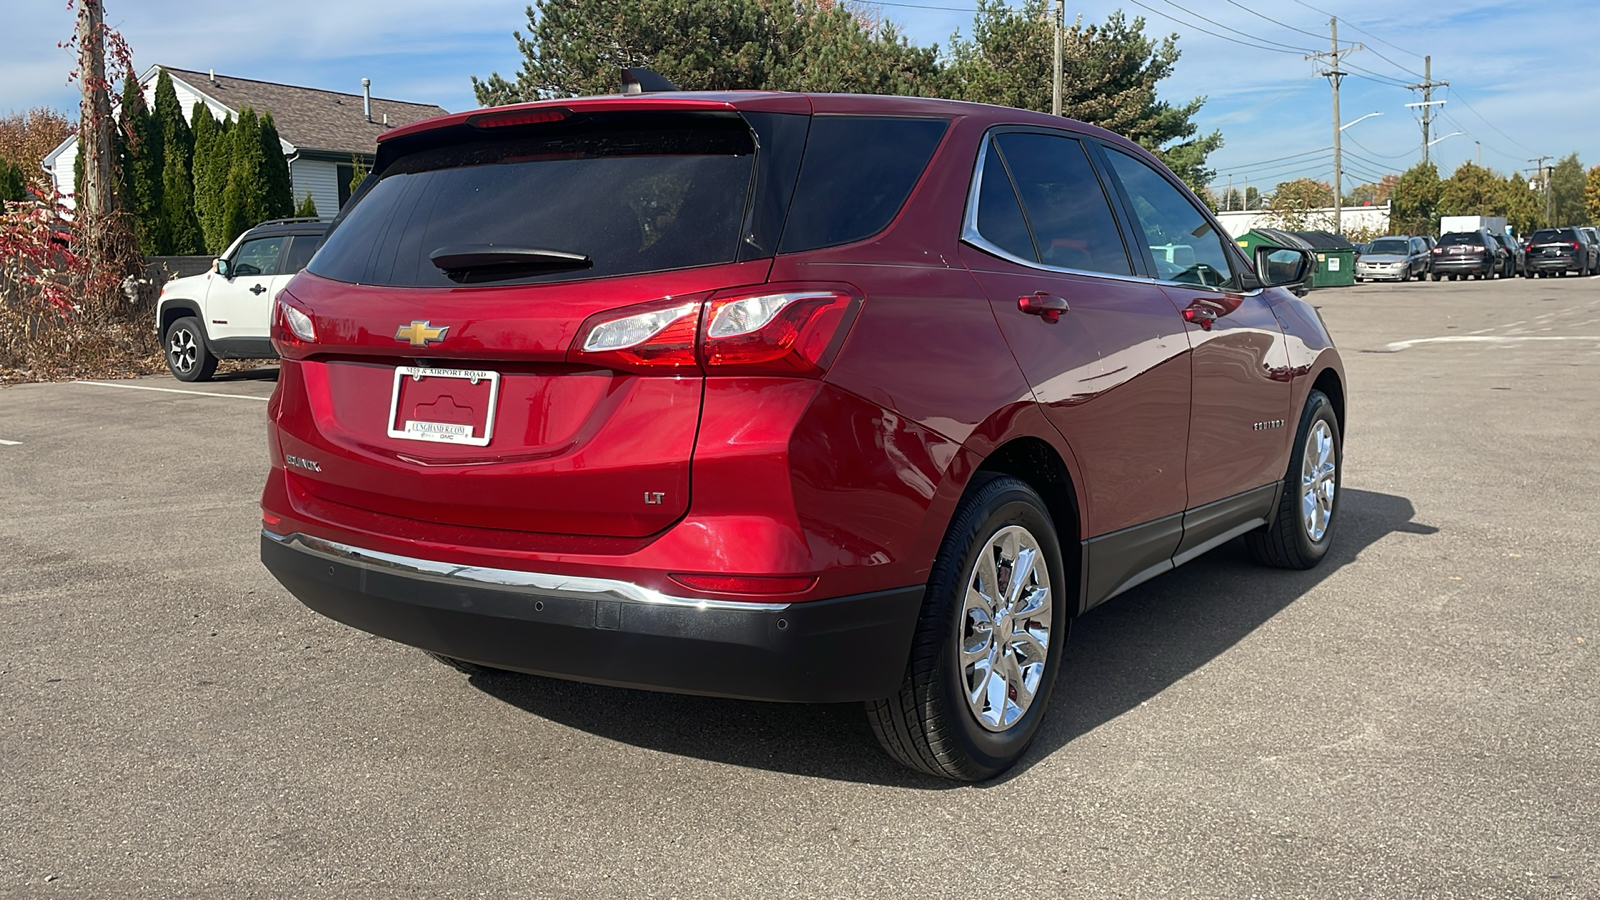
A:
(640, 80)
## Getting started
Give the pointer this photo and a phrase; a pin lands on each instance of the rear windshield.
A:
(610, 195)
(1400, 247)
(1461, 237)
(1553, 234)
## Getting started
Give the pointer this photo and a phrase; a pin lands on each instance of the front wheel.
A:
(188, 357)
(1302, 532)
(988, 642)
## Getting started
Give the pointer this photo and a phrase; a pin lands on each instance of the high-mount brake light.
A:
(776, 332)
(516, 117)
(651, 336)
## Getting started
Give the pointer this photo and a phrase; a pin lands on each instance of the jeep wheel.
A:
(188, 357)
(988, 643)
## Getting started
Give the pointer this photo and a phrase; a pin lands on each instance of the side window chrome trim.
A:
(971, 236)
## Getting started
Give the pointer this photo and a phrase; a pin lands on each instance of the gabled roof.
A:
(309, 118)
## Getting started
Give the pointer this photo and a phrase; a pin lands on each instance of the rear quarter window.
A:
(857, 173)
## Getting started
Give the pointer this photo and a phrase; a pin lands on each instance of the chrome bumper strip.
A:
(562, 586)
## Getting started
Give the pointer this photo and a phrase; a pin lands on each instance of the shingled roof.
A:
(309, 118)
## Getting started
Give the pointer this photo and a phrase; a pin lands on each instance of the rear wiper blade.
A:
(463, 257)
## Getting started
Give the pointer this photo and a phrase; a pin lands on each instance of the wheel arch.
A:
(1329, 383)
(173, 310)
(1034, 461)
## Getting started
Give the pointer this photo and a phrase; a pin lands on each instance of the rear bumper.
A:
(608, 632)
(1444, 265)
(1553, 264)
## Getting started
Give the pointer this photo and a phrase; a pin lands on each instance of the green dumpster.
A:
(1336, 259)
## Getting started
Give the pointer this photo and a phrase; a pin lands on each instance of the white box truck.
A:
(1491, 224)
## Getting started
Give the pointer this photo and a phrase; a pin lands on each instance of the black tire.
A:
(461, 665)
(1286, 543)
(186, 352)
(1436, 276)
(1406, 275)
(928, 724)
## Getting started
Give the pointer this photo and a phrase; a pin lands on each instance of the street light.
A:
(1353, 121)
(1450, 135)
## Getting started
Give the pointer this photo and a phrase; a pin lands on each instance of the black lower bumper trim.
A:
(821, 651)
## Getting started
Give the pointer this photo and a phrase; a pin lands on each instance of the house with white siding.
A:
(323, 133)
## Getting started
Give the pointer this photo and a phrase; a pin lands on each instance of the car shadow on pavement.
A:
(262, 373)
(1120, 655)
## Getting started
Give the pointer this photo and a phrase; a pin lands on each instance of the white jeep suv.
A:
(226, 313)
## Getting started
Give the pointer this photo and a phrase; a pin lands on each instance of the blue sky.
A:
(1516, 91)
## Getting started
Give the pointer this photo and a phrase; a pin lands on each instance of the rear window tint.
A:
(1461, 237)
(858, 172)
(1553, 234)
(1399, 247)
(634, 193)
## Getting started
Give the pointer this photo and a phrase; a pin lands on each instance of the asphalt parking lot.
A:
(1416, 718)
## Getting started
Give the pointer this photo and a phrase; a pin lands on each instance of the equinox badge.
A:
(420, 333)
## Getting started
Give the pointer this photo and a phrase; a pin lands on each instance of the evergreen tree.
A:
(142, 164)
(213, 157)
(244, 202)
(179, 224)
(13, 182)
(279, 189)
(358, 173)
(307, 208)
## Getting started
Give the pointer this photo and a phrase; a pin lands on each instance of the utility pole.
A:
(1227, 199)
(1426, 86)
(1334, 76)
(94, 114)
(1055, 96)
(1544, 178)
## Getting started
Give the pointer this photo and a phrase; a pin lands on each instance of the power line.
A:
(1252, 37)
(1263, 162)
(1376, 153)
(1360, 29)
(1457, 94)
(1212, 33)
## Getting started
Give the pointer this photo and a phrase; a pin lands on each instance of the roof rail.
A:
(295, 219)
(640, 80)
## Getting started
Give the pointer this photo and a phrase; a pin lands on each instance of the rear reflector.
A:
(516, 117)
(746, 584)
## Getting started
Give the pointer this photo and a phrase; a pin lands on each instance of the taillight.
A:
(1438, 250)
(293, 330)
(1577, 246)
(651, 336)
(776, 330)
(1527, 248)
(781, 330)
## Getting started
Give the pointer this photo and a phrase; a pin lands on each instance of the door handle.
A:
(1203, 316)
(258, 290)
(1045, 305)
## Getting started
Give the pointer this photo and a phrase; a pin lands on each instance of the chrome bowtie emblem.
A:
(420, 333)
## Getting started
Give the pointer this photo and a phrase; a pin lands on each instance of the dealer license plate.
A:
(449, 406)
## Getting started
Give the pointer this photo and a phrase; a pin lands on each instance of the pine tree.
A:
(13, 182)
(279, 199)
(244, 203)
(307, 208)
(142, 164)
(179, 224)
(213, 157)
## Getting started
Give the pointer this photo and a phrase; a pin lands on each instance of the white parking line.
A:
(1397, 346)
(5, 443)
(142, 387)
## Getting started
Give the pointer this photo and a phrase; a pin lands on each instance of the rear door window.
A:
(301, 248)
(857, 174)
(1066, 207)
(258, 257)
(622, 193)
(1185, 247)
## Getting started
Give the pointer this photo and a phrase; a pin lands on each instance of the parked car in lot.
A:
(1515, 259)
(786, 397)
(226, 313)
(1393, 258)
(1471, 254)
(1557, 251)
(1593, 239)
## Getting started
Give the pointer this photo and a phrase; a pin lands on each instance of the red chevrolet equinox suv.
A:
(788, 397)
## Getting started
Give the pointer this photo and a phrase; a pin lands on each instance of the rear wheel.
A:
(188, 357)
(1436, 276)
(1302, 532)
(988, 643)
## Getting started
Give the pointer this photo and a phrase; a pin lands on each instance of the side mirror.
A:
(221, 268)
(1280, 266)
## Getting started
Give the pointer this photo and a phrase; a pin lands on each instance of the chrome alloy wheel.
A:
(182, 350)
(1005, 628)
(1318, 481)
